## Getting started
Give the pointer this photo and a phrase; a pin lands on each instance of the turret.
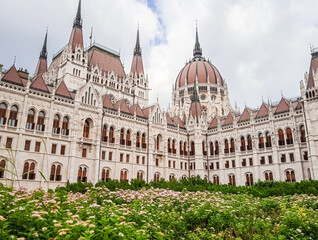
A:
(42, 63)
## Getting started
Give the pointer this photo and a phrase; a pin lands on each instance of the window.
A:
(123, 175)
(82, 174)
(156, 177)
(13, 116)
(181, 165)
(37, 146)
(9, 142)
(249, 179)
(270, 159)
(216, 180)
(111, 135)
(127, 158)
(251, 161)
(137, 159)
(192, 149)
(243, 162)
(121, 157)
(84, 152)
(226, 146)
(269, 176)
(40, 124)
(28, 170)
(302, 134)
(262, 161)
(138, 140)
(128, 142)
(2, 168)
(53, 149)
(169, 163)
(169, 146)
(103, 155)
(283, 158)
(249, 142)
(63, 150)
(290, 176)
(143, 140)
(65, 130)
(233, 163)
(281, 138)
(211, 149)
(172, 177)
(110, 156)
(232, 149)
(268, 140)
(291, 157)
(105, 174)
(227, 164)
(122, 136)
(55, 172)
(27, 145)
(185, 166)
(174, 164)
(3, 113)
(289, 135)
(140, 175)
(86, 129)
(261, 141)
(243, 144)
(217, 165)
(143, 160)
(104, 134)
(56, 124)
(232, 180)
(305, 155)
(30, 120)
(157, 162)
(212, 166)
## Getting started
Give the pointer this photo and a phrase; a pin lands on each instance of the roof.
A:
(214, 123)
(138, 109)
(263, 111)
(123, 106)
(137, 65)
(147, 110)
(39, 84)
(228, 120)
(313, 68)
(177, 120)
(107, 102)
(63, 91)
(195, 110)
(12, 76)
(245, 115)
(105, 60)
(169, 120)
(76, 39)
(283, 106)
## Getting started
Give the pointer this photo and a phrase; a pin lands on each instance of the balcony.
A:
(268, 144)
(281, 142)
(104, 138)
(289, 141)
(243, 148)
(261, 145)
(232, 150)
(249, 148)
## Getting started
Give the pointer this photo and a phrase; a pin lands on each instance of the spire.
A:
(197, 51)
(195, 97)
(78, 18)
(137, 50)
(43, 53)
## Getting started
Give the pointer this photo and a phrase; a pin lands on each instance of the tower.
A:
(42, 63)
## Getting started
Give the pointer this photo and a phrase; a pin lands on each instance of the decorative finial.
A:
(281, 93)
(137, 50)
(197, 51)
(78, 18)
(14, 58)
(43, 53)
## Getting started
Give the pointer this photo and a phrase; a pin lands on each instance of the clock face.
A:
(202, 97)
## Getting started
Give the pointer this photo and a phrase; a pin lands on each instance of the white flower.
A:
(121, 234)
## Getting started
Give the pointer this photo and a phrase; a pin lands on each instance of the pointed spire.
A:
(43, 53)
(195, 97)
(78, 18)
(197, 51)
(137, 50)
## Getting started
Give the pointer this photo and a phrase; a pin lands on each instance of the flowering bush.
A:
(154, 213)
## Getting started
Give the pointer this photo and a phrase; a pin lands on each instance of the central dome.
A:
(198, 70)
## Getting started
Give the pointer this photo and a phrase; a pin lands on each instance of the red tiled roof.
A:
(41, 67)
(169, 120)
(245, 115)
(214, 123)
(283, 106)
(263, 111)
(299, 105)
(228, 120)
(195, 110)
(147, 110)
(106, 61)
(123, 106)
(139, 112)
(63, 91)
(107, 102)
(12, 76)
(313, 68)
(178, 120)
(39, 84)
(137, 65)
(76, 38)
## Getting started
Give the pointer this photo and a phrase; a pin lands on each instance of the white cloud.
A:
(260, 47)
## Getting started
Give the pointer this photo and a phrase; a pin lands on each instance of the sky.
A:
(261, 48)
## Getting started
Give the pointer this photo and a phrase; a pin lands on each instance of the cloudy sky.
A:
(261, 48)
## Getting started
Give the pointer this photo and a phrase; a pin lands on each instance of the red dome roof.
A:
(198, 68)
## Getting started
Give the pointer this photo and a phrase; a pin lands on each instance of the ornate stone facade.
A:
(85, 119)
